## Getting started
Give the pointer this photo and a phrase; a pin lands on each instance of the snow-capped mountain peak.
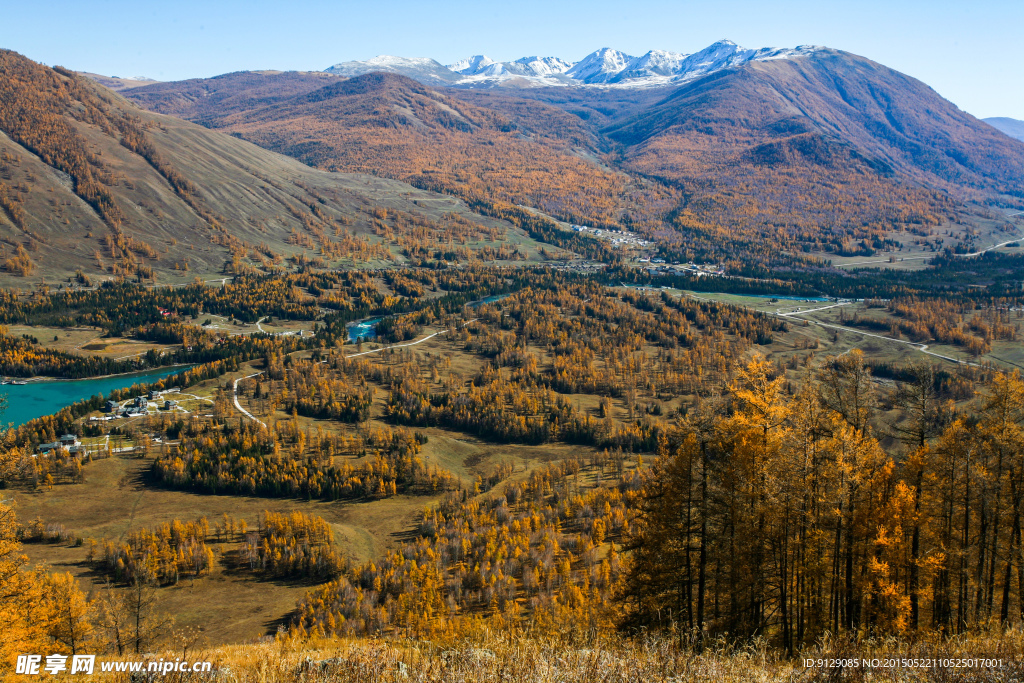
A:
(653, 64)
(600, 66)
(472, 66)
(542, 66)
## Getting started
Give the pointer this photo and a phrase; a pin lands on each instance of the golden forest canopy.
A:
(787, 498)
(39, 611)
(676, 481)
(771, 511)
(785, 516)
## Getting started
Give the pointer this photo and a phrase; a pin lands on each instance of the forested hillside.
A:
(892, 120)
(91, 184)
(390, 125)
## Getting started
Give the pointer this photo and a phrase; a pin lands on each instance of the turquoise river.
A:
(37, 398)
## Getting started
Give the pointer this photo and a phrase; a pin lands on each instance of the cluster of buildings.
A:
(137, 406)
(578, 266)
(618, 238)
(658, 266)
(68, 442)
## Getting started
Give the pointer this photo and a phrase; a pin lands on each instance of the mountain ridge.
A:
(397, 127)
(425, 70)
(886, 115)
(1004, 124)
(605, 67)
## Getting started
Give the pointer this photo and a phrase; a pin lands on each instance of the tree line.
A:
(286, 461)
(789, 515)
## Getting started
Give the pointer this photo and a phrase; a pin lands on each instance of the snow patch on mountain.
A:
(422, 69)
(472, 66)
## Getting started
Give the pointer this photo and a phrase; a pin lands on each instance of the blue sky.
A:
(968, 52)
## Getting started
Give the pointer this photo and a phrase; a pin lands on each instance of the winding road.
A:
(398, 346)
(249, 415)
(923, 348)
(795, 315)
(243, 411)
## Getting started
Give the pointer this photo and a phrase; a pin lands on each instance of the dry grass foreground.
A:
(524, 659)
